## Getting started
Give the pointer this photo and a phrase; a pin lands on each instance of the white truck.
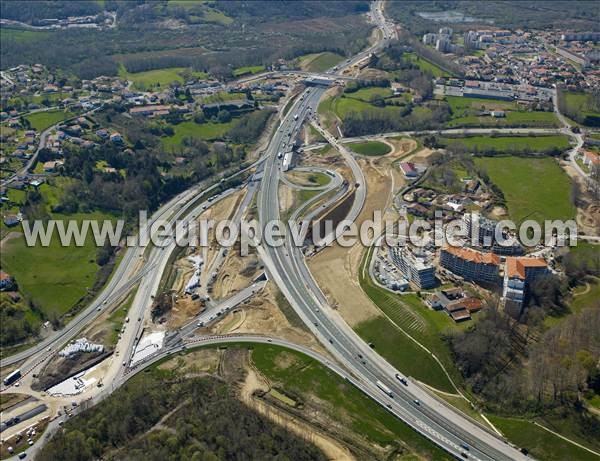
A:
(384, 388)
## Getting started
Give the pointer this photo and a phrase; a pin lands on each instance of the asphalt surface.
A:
(286, 266)
(133, 267)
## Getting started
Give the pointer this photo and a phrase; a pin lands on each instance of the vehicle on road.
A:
(417, 402)
(12, 377)
(402, 379)
(384, 388)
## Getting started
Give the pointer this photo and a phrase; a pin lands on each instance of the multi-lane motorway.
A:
(131, 269)
(285, 264)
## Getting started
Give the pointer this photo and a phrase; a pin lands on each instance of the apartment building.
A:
(472, 265)
(417, 268)
(519, 273)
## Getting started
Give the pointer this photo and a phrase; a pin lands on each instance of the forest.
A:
(160, 416)
(140, 44)
(541, 14)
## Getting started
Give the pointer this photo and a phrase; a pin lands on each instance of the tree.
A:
(224, 116)
(199, 118)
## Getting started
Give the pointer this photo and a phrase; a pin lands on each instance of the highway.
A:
(286, 266)
(132, 267)
(149, 286)
(360, 184)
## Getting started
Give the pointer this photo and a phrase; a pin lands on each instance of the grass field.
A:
(534, 188)
(247, 70)
(222, 96)
(216, 16)
(157, 77)
(580, 102)
(305, 195)
(512, 119)
(301, 375)
(465, 110)
(540, 443)
(320, 62)
(319, 179)
(342, 106)
(510, 143)
(367, 94)
(187, 4)
(42, 120)
(463, 105)
(426, 66)
(370, 148)
(54, 277)
(424, 325)
(22, 35)
(206, 131)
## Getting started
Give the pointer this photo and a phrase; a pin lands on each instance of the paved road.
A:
(360, 184)
(577, 136)
(43, 136)
(287, 268)
(149, 286)
(285, 264)
(132, 267)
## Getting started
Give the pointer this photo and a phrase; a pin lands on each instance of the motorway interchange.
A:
(285, 266)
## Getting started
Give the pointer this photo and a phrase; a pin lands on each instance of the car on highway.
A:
(402, 379)
(417, 402)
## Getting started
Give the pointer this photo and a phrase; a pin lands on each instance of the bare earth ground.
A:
(336, 269)
(286, 198)
(236, 274)
(300, 178)
(194, 362)
(224, 209)
(588, 213)
(263, 316)
(254, 382)
(184, 309)
(420, 156)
